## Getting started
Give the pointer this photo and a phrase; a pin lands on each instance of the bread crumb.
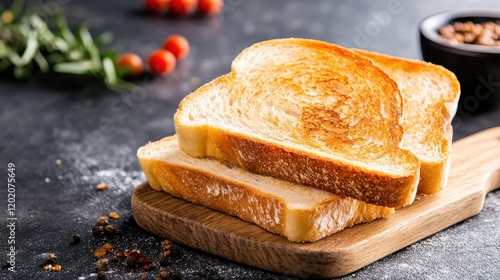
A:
(109, 229)
(102, 264)
(102, 187)
(102, 221)
(114, 215)
(75, 239)
(135, 260)
(56, 268)
(50, 258)
(163, 274)
(120, 254)
(49, 267)
(103, 251)
(99, 253)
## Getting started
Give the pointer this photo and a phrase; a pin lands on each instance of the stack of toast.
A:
(305, 138)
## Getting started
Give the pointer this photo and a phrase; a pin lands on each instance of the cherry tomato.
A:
(210, 7)
(157, 6)
(161, 62)
(130, 61)
(177, 45)
(182, 7)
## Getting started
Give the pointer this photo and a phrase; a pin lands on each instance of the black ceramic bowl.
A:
(476, 67)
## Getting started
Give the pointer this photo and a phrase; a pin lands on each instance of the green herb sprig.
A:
(29, 44)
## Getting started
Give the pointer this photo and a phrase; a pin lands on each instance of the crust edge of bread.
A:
(298, 167)
(296, 224)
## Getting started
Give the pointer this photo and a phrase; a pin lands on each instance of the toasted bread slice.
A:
(430, 96)
(307, 112)
(301, 214)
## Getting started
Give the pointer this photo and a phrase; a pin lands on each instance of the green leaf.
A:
(12, 55)
(60, 44)
(41, 61)
(31, 43)
(122, 72)
(109, 71)
(38, 24)
(29, 52)
(85, 37)
(64, 30)
(113, 55)
(79, 67)
(75, 54)
(55, 58)
(95, 57)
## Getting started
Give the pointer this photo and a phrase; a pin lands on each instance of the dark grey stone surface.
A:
(96, 137)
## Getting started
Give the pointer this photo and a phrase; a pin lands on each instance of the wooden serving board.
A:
(475, 171)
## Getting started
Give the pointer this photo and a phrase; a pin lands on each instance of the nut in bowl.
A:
(467, 42)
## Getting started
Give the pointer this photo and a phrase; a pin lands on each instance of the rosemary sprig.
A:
(30, 45)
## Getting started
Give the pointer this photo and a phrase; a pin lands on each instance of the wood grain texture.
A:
(475, 171)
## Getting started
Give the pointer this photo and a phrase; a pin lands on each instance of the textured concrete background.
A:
(44, 121)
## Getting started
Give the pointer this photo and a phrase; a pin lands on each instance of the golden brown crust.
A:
(229, 195)
(302, 168)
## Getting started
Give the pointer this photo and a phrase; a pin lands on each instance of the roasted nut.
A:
(47, 267)
(458, 37)
(109, 229)
(108, 247)
(447, 31)
(102, 264)
(166, 244)
(114, 215)
(102, 221)
(56, 268)
(102, 187)
(469, 38)
(485, 33)
(99, 253)
(50, 258)
(75, 239)
(458, 26)
(103, 251)
(163, 274)
(135, 260)
(97, 231)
